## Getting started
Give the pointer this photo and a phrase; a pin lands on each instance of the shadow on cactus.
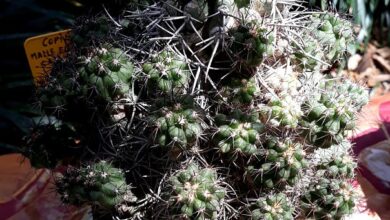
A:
(99, 184)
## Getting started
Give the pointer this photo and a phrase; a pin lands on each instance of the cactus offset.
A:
(328, 199)
(280, 163)
(197, 193)
(178, 127)
(272, 207)
(167, 72)
(238, 133)
(98, 184)
(106, 72)
(329, 116)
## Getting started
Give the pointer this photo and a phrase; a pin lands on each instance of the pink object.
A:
(369, 138)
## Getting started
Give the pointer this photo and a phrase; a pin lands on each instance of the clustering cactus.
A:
(272, 207)
(249, 45)
(284, 112)
(208, 115)
(55, 93)
(98, 184)
(197, 193)
(342, 165)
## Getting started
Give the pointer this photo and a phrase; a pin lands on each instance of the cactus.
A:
(90, 30)
(58, 91)
(51, 144)
(240, 91)
(178, 128)
(281, 164)
(238, 133)
(284, 112)
(273, 206)
(249, 45)
(331, 40)
(328, 199)
(108, 73)
(339, 166)
(98, 184)
(167, 72)
(197, 193)
(329, 116)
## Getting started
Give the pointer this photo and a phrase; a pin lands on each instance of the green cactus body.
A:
(152, 102)
(329, 117)
(341, 166)
(272, 207)
(240, 92)
(308, 56)
(331, 39)
(178, 128)
(249, 46)
(239, 133)
(328, 199)
(98, 184)
(167, 72)
(281, 163)
(91, 30)
(196, 193)
(58, 91)
(108, 73)
(284, 112)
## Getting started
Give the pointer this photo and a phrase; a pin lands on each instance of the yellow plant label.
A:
(42, 50)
